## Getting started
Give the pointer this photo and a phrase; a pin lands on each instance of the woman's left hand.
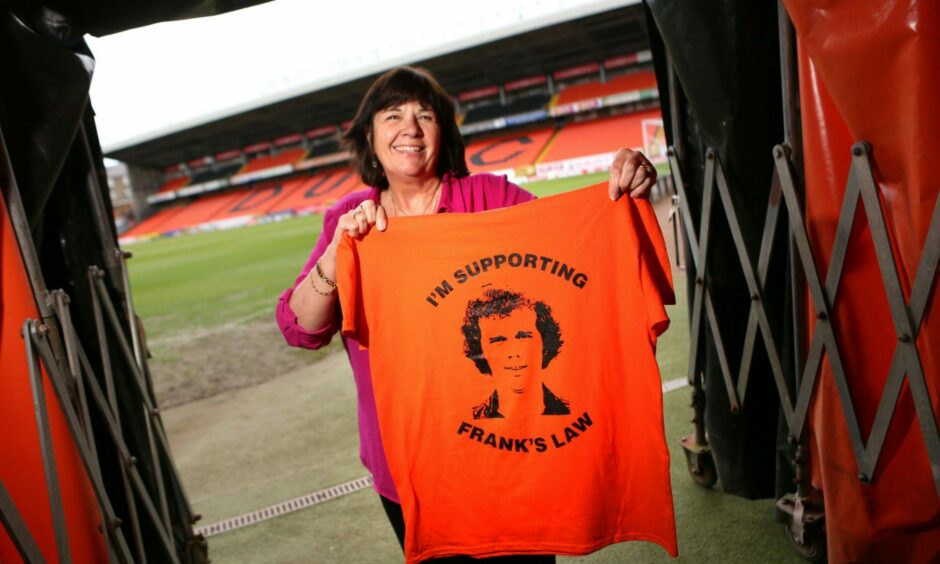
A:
(631, 173)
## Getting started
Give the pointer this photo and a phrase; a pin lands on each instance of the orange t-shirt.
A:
(514, 370)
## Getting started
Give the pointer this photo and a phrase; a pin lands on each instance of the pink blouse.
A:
(473, 193)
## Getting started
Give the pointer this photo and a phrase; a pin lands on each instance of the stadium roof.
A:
(594, 38)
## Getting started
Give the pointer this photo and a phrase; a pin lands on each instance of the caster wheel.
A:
(813, 545)
(702, 469)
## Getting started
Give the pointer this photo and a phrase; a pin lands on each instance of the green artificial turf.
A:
(543, 188)
(207, 279)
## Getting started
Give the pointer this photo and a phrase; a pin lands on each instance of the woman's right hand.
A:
(356, 223)
(360, 220)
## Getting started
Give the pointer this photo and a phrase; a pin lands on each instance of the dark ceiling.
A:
(542, 51)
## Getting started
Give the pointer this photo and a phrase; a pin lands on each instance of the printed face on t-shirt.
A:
(512, 345)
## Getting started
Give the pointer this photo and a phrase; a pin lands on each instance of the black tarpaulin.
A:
(725, 57)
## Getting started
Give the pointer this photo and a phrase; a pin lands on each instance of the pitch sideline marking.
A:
(317, 497)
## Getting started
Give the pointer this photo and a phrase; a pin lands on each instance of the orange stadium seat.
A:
(199, 212)
(241, 205)
(152, 225)
(624, 83)
(508, 151)
(174, 184)
(600, 136)
(271, 205)
(254, 201)
(269, 161)
(318, 191)
(351, 183)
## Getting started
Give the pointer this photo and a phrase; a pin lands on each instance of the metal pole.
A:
(21, 230)
(130, 462)
(112, 523)
(157, 471)
(61, 300)
(792, 138)
(45, 443)
(17, 530)
(674, 116)
(98, 210)
(129, 305)
(112, 400)
(148, 401)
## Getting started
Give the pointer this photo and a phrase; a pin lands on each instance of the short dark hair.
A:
(397, 86)
(500, 303)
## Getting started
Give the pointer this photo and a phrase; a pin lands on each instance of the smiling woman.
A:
(406, 145)
(405, 133)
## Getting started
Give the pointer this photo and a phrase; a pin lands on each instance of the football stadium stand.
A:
(594, 137)
(151, 226)
(199, 212)
(548, 136)
(243, 208)
(623, 84)
(325, 147)
(263, 162)
(217, 172)
(507, 152)
(173, 184)
(519, 105)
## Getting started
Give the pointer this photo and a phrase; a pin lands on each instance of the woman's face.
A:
(407, 139)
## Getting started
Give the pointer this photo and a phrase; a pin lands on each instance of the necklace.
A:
(400, 211)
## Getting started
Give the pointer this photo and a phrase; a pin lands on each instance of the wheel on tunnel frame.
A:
(702, 469)
(813, 545)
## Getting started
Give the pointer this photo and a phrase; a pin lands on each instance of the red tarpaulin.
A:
(21, 469)
(869, 70)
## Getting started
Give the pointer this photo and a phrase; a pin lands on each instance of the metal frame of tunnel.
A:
(907, 315)
(53, 344)
(803, 510)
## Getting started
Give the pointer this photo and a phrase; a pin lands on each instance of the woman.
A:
(407, 147)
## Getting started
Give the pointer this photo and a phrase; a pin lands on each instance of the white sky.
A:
(165, 77)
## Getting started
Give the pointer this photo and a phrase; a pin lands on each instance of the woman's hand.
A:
(631, 173)
(360, 220)
(356, 223)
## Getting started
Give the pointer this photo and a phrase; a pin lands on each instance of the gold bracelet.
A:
(327, 281)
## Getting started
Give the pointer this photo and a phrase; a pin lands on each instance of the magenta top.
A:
(473, 193)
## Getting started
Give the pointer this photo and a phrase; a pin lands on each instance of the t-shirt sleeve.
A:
(348, 284)
(654, 267)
